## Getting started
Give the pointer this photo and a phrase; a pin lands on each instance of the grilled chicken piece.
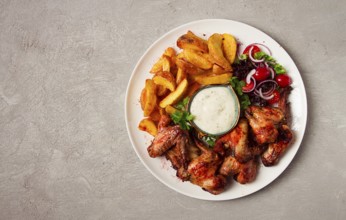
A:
(165, 120)
(203, 170)
(164, 140)
(264, 122)
(241, 172)
(179, 156)
(271, 156)
(237, 141)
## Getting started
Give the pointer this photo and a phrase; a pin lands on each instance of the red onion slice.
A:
(272, 72)
(258, 88)
(265, 97)
(253, 59)
(249, 76)
(254, 85)
(262, 45)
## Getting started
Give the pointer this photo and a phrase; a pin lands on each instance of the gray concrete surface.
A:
(64, 149)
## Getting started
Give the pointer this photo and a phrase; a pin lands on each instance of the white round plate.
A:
(140, 140)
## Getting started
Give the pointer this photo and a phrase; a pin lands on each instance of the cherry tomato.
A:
(283, 80)
(261, 73)
(249, 86)
(254, 50)
(275, 99)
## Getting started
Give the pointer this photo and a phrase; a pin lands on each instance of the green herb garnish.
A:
(238, 85)
(182, 117)
(209, 139)
(279, 69)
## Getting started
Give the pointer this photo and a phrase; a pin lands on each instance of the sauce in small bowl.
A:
(215, 109)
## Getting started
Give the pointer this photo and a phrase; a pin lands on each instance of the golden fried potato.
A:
(229, 47)
(143, 98)
(157, 67)
(170, 52)
(170, 109)
(180, 75)
(148, 125)
(215, 50)
(166, 64)
(191, 41)
(150, 97)
(176, 95)
(165, 79)
(217, 69)
(161, 90)
(208, 79)
(196, 58)
(187, 67)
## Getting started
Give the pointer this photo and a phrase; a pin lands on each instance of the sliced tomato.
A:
(249, 86)
(254, 50)
(283, 80)
(276, 97)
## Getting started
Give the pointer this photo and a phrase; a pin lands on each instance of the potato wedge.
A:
(148, 125)
(157, 67)
(196, 58)
(191, 41)
(215, 50)
(165, 79)
(170, 109)
(180, 75)
(217, 69)
(214, 79)
(150, 97)
(187, 67)
(166, 64)
(176, 95)
(161, 90)
(143, 98)
(229, 47)
(170, 52)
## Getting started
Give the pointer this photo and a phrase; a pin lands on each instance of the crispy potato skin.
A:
(216, 52)
(191, 41)
(229, 47)
(176, 95)
(148, 125)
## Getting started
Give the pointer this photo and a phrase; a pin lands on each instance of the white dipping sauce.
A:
(214, 109)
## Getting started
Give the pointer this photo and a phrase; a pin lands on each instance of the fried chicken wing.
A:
(271, 156)
(203, 172)
(237, 141)
(164, 140)
(264, 122)
(179, 157)
(241, 172)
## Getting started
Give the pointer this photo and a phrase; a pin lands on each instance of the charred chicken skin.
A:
(203, 172)
(241, 172)
(274, 151)
(264, 122)
(237, 141)
(165, 139)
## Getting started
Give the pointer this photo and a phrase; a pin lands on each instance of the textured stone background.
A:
(64, 149)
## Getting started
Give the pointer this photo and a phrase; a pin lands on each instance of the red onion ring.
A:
(254, 85)
(253, 59)
(265, 97)
(266, 47)
(272, 72)
(258, 89)
(249, 76)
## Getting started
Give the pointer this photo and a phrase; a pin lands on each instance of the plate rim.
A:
(127, 103)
